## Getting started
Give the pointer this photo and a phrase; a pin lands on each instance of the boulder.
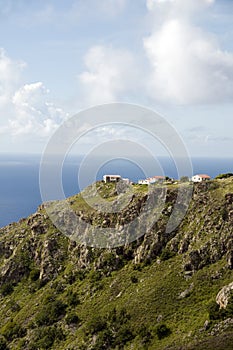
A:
(224, 295)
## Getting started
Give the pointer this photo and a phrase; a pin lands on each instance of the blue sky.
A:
(60, 57)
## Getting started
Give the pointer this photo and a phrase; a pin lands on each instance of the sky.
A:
(59, 57)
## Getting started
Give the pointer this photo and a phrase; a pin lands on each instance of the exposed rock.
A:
(186, 292)
(224, 295)
(222, 326)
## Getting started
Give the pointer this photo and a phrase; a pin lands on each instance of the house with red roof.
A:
(200, 177)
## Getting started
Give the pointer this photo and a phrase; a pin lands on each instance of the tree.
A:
(184, 179)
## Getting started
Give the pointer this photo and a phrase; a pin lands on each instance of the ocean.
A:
(19, 179)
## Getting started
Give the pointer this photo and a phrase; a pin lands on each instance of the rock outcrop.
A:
(224, 295)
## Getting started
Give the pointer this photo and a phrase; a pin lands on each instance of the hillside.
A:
(158, 292)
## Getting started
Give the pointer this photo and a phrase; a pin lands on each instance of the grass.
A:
(150, 293)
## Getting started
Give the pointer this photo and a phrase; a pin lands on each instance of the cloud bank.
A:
(184, 62)
(187, 63)
(25, 109)
(110, 73)
(179, 61)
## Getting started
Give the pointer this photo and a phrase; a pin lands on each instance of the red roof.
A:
(204, 176)
(158, 177)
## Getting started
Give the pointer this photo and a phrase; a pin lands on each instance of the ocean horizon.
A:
(20, 189)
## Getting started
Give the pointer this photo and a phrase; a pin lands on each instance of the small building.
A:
(112, 178)
(143, 182)
(200, 178)
(151, 180)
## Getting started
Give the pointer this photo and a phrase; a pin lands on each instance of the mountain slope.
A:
(158, 292)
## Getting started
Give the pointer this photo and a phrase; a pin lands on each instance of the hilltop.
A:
(157, 292)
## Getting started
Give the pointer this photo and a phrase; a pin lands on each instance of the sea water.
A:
(19, 178)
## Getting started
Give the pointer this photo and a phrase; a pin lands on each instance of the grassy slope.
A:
(150, 294)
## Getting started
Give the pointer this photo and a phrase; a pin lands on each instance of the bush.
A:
(134, 279)
(145, 335)
(112, 330)
(72, 298)
(215, 313)
(7, 289)
(103, 341)
(95, 276)
(162, 331)
(184, 179)
(34, 274)
(224, 213)
(50, 313)
(213, 185)
(44, 337)
(166, 254)
(229, 308)
(12, 330)
(72, 318)
(96, 324)
(123, 336)
(3, 344)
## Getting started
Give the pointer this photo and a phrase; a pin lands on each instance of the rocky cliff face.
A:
(35, 250)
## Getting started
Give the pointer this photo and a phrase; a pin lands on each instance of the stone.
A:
(224, 295)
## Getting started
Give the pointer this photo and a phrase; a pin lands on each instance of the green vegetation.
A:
(6, 289)
(3, 344)
(162, 331)
(50, 313)
(184, 179)
(224, 176)
(216, 313)
(158, 292)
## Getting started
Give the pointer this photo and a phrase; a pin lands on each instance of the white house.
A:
(112, 178)
(151, 180)
(200, 178)
(143, 182)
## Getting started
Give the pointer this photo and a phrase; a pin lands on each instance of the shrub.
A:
(3, 344)
(166, 254)
(103, 341)
(44, 337)
(215, 313)
(184, 179)
(224, 213)
(112, 331)
(34, 274)
(7, 289)
(134, 279)
(96, 324)
(50, 313)
(12, 330)
(162, 331)
(123, 336)
(72, 318)
(145, 334)
(229, 308)
(213, 185)
(72, 298)
(95, 276)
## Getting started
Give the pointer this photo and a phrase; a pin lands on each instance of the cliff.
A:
(164, 290)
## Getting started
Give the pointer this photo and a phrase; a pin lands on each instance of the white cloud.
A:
(187, 63)
(10, 72)
(34, 114)
(110, 73)
(185, 6)
(24, 109)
